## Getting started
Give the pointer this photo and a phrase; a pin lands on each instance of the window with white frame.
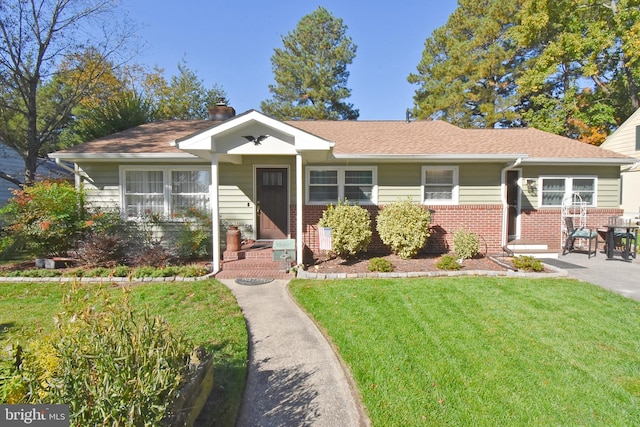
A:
(440, 185)
(330, 184)
(555, 189)
(165, 191)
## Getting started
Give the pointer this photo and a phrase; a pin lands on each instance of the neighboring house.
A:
(12, 163)
(503, 184)
(626, 140)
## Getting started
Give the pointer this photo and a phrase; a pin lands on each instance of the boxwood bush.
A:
(466, 244)
(350, 228)
(404, 227)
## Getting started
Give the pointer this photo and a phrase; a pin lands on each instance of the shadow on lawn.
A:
(4, 328)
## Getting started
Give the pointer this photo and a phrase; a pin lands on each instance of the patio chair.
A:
(579, 233)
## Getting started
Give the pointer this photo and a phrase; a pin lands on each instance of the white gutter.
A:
(119, 156)
(632, 168)
(503, 195)
(447, 157)
(580, 161)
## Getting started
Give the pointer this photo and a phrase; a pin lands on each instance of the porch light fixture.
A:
(256, 141)
(532, 185)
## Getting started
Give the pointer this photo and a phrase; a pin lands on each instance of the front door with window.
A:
(272, 203)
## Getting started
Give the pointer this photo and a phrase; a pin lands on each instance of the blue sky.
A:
(231, 42)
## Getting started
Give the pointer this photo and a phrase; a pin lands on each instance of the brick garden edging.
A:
(118, 280)
(556, 272)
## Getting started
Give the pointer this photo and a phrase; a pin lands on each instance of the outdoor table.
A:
(630, 232)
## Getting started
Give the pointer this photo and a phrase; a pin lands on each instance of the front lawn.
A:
(205, 312)
(484, 351)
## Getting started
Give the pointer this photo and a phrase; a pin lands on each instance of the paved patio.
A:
(617, 275)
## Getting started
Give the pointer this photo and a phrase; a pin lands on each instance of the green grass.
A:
(484, 351)
(205, 312)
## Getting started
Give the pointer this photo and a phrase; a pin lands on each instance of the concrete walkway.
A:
(294, 377)
(617, 275)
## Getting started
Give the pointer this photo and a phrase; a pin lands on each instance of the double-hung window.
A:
(331, 184)
(440, 185)
(164, 191)
(555, 190)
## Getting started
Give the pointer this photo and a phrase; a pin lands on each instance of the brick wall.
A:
(543, 226)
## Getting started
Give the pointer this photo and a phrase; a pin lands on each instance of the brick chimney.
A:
(221, 111)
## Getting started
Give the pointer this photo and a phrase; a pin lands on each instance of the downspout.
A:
(75, 171)
(632, 168)
(299, 209)
(503, 195)
(214, 200)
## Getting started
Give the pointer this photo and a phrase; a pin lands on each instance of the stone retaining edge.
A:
(556, 272)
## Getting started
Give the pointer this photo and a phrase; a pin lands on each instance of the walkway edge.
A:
(363, 418)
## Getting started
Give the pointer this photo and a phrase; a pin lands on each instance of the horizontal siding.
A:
(12, 164)
(480, 184)
(103, 188)
(631, 192)
(397, 182)
(623, 140)
(608, 185)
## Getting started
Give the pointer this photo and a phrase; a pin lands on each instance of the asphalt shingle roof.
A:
(367, 138)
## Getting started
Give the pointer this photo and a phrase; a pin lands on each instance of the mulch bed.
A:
(422, 262)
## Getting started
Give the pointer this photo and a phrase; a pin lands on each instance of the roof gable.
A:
(229, 137)
(625, 139)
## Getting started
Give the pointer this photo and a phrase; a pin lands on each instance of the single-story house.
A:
(626, 140)
(274, 178)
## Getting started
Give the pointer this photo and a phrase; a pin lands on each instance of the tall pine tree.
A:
(468, 68)
(310, 71)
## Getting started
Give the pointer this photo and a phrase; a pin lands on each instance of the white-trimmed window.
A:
(440, 185)
(555, 189)
(357, 184)
(164, 191)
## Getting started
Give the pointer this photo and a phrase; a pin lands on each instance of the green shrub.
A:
(380, 264)
(40, 272)
(146, 271)
(121, 271)
(527, 263)
(98, 272)
(404, 227)
(350, 228)
(192, 271)
(191, 236)
(448, 262)
(112, 366)
(46, 217)
(466, 244)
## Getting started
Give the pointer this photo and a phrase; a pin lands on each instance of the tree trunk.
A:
(33, 143)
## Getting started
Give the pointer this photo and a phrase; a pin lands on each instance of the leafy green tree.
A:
(311, 71)
(126, 110)
(41, 43)
(468, 68)
(183, 97)
(567, 67)
(583, 69)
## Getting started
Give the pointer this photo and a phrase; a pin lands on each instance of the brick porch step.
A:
(252, 268)
(248, 253)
